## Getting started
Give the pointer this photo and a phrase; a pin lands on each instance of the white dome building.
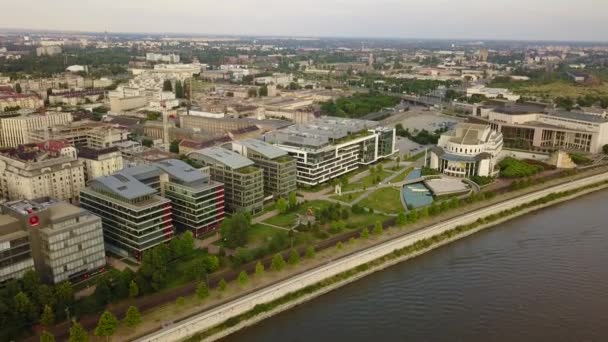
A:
(468, 150)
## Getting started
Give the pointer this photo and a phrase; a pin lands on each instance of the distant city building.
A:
(11, 99)
(49, 169)
(492, 93)
(329, 147)
(16, 130)
(468, 150)
(75, 98)
(60, 241)
(243, 181)
(278, 166)
(48, 50)
(159, 57)
(92, 134)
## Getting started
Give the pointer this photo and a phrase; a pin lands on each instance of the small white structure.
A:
(469, 150)
(492, 93)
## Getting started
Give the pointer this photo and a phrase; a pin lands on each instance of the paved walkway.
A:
(265, 216)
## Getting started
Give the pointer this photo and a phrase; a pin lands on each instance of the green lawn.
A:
(286, 220)
(260, 234)
(367, 181)
(347, 198)
(385, 200)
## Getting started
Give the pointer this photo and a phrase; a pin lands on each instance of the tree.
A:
(378, 228)
(154, 266)
(24, 308)
(133, 317)
(243, 278)
(278, 263)
(174, 147)
(294, 257)
(401, 219)
(47, 318)
(133, 289)
(252, 92)
(310, 252)
(259, 269)
(64, 293)
(282, 205)
(605, 149)
(365, 233)
(293, 200)
(147, 142)
(263, 91)
(234, 230)
(47, 337)
(182, 245)
(180, 301)
(339, 245)
(78, 334)
(167, 86)
(222, 285)
(202, 291)
(18, 88)
(106, 326)
(179, 90)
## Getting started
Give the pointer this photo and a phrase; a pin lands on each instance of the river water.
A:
(540, 277)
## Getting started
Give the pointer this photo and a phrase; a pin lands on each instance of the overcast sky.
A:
(469, 19)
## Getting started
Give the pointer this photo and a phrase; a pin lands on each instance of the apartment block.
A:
(66, 241)
(49, 169)
(278, 166)
(243, 181)
(329, 147)
(11, 99)
(100, 162)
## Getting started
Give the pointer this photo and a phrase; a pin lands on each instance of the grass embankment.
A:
(397, 254)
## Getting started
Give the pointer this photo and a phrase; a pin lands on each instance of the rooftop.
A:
(579, 116)
(124, 185)
(267, 150)
(226, 157)
(319, 132)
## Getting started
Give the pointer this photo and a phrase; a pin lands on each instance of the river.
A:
(540, 277)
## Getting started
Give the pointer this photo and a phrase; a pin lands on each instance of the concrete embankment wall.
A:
(218, 315)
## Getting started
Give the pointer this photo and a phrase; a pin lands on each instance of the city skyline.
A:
(472, 19)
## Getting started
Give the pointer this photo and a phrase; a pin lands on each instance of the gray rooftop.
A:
(124, 185)
(579, 116)
(182, 171)
(223, 156)
(320, 131)
(267, 150)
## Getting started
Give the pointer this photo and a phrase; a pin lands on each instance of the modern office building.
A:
(134, 217)
(278, 166)
(66, 241)
(243, 181)
(15, 250)
(16, 130)
(197, 200)
(527, 127)
(156, 198)
(329, 147)
(58, 240)
(49, 169)
(468, 150)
